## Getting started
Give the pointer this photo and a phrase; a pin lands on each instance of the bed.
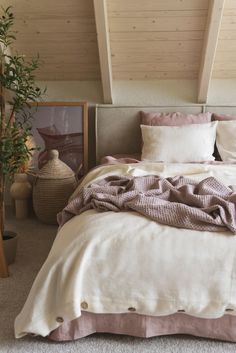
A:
(122, 272)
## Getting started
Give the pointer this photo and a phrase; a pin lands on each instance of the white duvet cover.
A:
(121, 262)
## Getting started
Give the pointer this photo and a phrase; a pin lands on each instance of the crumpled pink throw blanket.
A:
(181, 202)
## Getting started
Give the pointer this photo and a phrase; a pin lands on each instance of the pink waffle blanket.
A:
(181, 202)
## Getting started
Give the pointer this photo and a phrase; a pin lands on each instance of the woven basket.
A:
(53, 186)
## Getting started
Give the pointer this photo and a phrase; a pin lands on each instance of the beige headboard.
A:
(118, 130)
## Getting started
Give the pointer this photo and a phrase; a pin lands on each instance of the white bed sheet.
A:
(111, 262)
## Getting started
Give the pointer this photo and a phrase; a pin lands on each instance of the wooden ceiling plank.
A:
(178, 57)
(215, 14)
(224, 74)
(151, 5)
(157, 24)
(68, 76)
(80, 37)
(226, 45)
(101, 20)
(154, 36)
(161, 13)
(156, 46)
(152, 75)
(147, 67)
(60, 6)
(55, 25)
(225, 57)
(226, 34)
(230, 4)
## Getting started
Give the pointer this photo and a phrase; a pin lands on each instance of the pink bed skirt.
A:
(132, 324)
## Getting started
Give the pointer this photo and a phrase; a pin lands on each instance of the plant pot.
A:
(10, 245)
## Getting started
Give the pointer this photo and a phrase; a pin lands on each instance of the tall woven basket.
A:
(53, 186)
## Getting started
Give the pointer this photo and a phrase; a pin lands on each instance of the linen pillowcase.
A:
(222, 117)
(226, 140)
(179, 144)
(174, 119)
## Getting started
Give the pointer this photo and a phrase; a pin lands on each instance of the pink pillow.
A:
(223, 117)
(174, 119)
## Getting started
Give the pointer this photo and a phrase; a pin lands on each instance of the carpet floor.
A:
(34, 244)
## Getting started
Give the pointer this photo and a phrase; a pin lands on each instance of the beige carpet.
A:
(34, 244)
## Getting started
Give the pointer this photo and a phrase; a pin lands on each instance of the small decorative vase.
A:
(21, 191)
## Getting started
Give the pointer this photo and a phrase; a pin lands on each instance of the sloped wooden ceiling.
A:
(156, 39)
(225, 60)
(63, 32)
(134, 39)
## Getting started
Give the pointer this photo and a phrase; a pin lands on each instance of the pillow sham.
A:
(222, 117)
(226, 140)
(180, 144)
(174, 119)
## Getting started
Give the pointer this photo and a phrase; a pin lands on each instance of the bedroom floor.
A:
(34, 244)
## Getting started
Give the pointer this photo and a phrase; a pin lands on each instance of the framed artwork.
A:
(62, 126)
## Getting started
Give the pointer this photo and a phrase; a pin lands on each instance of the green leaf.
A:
(18, 77)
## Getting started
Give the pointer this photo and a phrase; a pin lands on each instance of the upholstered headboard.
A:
(118, 127)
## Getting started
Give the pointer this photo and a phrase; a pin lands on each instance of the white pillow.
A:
(226, 140)
(186, 143)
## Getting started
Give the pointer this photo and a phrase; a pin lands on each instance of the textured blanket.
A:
(181, 202)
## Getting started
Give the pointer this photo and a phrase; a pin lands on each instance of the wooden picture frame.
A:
(58, 123)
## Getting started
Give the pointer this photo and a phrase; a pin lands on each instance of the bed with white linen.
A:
(121, 272)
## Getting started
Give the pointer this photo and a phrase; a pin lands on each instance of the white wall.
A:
(72, 91)
(163, 92)
(222, 92)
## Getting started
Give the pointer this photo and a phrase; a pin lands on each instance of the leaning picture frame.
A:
(62, 126)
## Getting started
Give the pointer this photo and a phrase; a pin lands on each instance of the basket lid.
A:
(55, 168)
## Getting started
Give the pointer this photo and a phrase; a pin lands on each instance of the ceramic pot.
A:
(21, 191)
(10, 240)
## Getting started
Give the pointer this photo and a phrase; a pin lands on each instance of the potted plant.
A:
(17, 90)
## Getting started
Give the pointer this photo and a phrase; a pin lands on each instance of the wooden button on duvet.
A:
(131, 308)
(59, 319)
(84, 305)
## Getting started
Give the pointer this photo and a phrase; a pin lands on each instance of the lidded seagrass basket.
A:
(53, 186)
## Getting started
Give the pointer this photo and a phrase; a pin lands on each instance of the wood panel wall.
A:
(225, 61)
(149, 39)
(63, 32)
(156, 39)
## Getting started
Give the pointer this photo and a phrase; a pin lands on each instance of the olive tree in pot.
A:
(17, 90)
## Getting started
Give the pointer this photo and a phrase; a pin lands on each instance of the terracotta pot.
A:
(10, 240)
(21, 191)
